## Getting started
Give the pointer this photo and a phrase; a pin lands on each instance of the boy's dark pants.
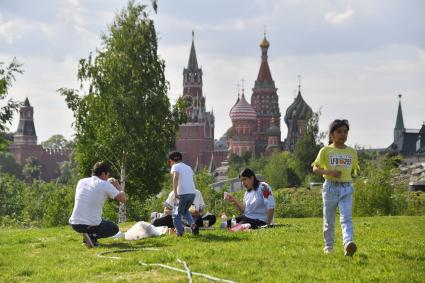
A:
(167, 220)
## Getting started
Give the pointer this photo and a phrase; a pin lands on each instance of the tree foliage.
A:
(32, 168)
(9, 165)
(308, 147)
(125, 117)
(57, 142)
(7, 76)
(68, 171)
(279, 171)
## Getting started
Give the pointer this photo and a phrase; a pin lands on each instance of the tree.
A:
(308, 147)
(32, 168)
(125, 118)
(9, 165)
(57, 142)
(279, 171)
(7, 76)
(68, 171)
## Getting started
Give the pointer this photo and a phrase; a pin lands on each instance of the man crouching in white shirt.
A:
(90, 196)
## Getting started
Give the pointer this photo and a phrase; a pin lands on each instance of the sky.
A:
(353, 57)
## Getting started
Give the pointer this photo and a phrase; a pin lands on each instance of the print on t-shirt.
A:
(343, 160)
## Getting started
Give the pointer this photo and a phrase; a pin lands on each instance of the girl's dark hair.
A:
(335, 125)
(248, 173)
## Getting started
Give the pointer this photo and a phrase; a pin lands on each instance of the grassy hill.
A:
(391, 249)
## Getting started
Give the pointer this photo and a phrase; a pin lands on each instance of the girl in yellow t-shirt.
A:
(337, 162)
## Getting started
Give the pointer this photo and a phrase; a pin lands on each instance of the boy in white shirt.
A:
(184, 192)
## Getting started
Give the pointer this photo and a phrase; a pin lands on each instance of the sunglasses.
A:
(341, 122)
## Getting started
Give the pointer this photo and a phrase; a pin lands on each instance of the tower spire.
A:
(193, 62)
(399, 124)
(25, 134)
(299, 83)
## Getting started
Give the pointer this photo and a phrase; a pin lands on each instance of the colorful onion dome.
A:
(299, 109)
(273, 131)
(243, 110)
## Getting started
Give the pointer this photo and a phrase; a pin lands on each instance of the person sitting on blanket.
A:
(197, 210)
(257, 208)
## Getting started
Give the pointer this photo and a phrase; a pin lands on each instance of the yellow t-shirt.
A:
(344, 160)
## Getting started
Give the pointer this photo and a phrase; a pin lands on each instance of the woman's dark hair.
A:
(335, 125)
(100, 167)
(248, 173)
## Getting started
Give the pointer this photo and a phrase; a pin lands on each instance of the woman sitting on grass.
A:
(257, 208)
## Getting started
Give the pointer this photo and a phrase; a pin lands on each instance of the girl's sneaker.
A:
(350, 248)
(328, 250)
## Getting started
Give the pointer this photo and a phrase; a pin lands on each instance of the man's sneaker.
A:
(88, 241)
(350, 248)
(195, 229)
(328, 250)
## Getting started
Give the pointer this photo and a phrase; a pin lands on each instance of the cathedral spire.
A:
(193, 62)
(399, 124)
(264, 74)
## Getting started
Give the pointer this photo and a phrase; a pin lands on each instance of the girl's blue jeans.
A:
(337, 194)
(185, 201)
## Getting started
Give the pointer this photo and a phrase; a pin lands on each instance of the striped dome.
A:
(243, 110)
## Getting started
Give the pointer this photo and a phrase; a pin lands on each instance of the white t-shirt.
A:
(257, 202)
(90, 196)
(185, 184)
(198, 202)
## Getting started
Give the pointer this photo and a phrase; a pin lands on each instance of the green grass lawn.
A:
(390, 249)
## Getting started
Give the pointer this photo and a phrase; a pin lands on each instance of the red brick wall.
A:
(49, 159)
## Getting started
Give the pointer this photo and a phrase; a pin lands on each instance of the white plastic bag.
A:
(144, 230)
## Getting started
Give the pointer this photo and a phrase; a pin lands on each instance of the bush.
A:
(59, 204)
(374, 192)
(12, 193)
(292, 202)
(34, 204)
(416, 203)
(372, 197)
(280, 171)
